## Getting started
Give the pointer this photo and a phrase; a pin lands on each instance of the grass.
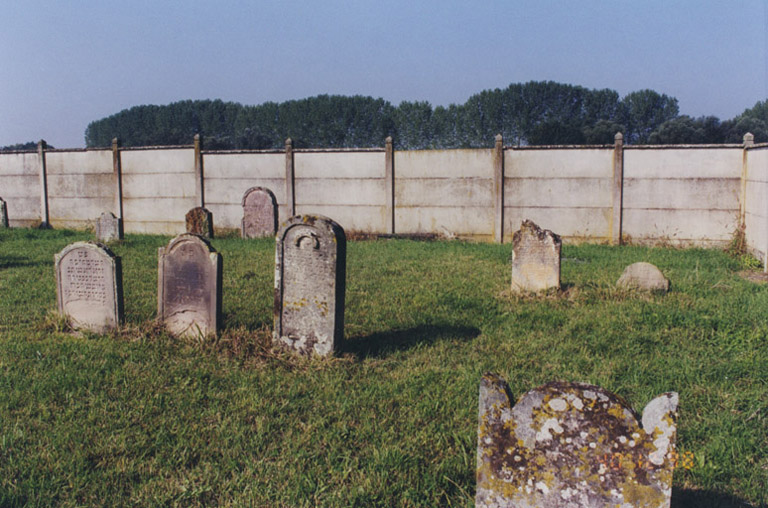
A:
(136, 418)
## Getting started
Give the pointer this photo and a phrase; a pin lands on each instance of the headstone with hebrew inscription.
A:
(89, 287)
(572, 444)
(199, 221)
(189, 287)
(109, 228)
(535, 259)
(259, 213)
(310, 281)
(643, 276)
(3, 214)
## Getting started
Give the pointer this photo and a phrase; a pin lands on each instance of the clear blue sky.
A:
(65, 64)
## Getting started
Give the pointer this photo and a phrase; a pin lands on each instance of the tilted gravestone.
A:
(643, 276)
(310, 281)
(259, 213)
(3, 214)
(89, 286)
(189, 287)
(572, 444)
(199, 221)
(535, 259)
(109, 228)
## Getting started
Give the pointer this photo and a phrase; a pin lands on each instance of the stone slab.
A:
(259, 213)
(643, 276)
(199, 221)
(189, 287)
(89, 286)
(572, 445)
(3, 214)
(310, 282)
(109, 228)
(535, 259)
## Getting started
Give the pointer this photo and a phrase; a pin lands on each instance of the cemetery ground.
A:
(136, 418)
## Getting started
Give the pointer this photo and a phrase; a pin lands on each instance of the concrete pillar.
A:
(117, 169)
(44, 216)
(389, 184)
(498, 190)
(199, 176)
(749, 140)
(618, 188)
(290, 199)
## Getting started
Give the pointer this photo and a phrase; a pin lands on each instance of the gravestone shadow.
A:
(685, 498)
(384, 343)
(17, 261)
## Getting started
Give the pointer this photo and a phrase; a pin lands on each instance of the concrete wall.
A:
(444, 191)
(566, 190)
(229, 175)
(756, 202)
(346, 186)
(159, 188)
(81, 186)
(20, 187)
(681, 195)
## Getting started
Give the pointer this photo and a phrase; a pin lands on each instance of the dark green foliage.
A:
(533, 113)
(19, 147)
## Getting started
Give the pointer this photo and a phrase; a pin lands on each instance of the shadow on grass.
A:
(384, 343)
(15, 262)
(685, 498)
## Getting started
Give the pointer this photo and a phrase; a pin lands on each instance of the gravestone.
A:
(189, 287)
(200, 222)
(643, 276)
(89, 286)
(572, 444)
(310, 281)
(3, 214)
(109, 228)
(535, 259)
(259, 213)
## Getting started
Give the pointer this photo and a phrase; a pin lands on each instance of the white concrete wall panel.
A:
(167, 161)
(81, 162)
(340, 191)
(244, 166)
(559, 163)
(682, 194)
(338, 164)
(680, 226)
(20, 187)
(571, 223)
(756, 205)
(463, 221)
(18, 164)
(368, 219)
(452, 192)
(474, 163)
(682, 163)
(558, 192)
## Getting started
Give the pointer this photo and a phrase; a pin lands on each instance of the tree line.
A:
(533, 113)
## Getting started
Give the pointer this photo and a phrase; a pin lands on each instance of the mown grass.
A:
(136, 418)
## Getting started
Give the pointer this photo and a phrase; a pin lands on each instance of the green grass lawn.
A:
(136, 418)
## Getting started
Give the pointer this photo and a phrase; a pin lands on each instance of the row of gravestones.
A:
(259, 218)
(560, 445)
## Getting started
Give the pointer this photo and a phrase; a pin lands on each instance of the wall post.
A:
(117, 169)
(290, 198)
(389, 184)
(199, 176)
(498, 190)
(749, 140)
(618, 188)
(44, 216)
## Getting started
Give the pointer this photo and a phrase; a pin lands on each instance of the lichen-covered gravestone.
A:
(189, 287)
(199, 221)
(89, 286)
(643, 276)
(259, 213)
(572, 445)
(535, 259)
(109, 228)
(310, 281)
(3, 214)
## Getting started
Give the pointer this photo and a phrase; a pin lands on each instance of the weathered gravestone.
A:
(535, 259)
(572, 445)
(259, 213)
(189, 287)
(200, 222)
(310, 281)
(643, 276)
(89, 286)
(109, 228)
(3, 214)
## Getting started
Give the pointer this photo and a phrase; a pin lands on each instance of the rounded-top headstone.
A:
(199, 221)
(3, 214)
(310, 282)
(643, 276)
(259, 213)
(89, 286)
